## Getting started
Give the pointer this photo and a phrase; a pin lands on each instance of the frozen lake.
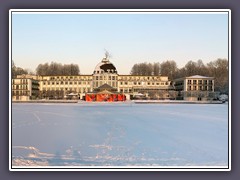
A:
(119, 134)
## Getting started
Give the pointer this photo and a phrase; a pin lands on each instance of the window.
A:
(199, 81)
(66, 82)
(194, 81)
(189, 82)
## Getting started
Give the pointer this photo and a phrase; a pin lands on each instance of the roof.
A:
(72, 94)
(193, 77)
(198, 77)
(104, 92)
(106, 66)
(105, 86)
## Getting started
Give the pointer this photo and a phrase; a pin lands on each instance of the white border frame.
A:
(119, 11)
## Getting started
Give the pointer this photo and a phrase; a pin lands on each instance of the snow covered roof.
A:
(72, 94)
(193, 77)
(198, 77)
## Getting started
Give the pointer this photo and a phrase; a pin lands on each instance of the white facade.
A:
(195, 87)
(25, 87)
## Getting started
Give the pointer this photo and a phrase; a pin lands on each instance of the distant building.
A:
(195, 88)
(25, 87)
(105, 84)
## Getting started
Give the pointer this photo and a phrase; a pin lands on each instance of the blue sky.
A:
(129, 38)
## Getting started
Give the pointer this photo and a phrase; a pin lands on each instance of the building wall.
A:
(197, 86)
(23, 88)
(131, 84)
(60, 86)
(67, 84)
(105, 78)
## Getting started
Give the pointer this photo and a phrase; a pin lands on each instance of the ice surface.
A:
(119, 134)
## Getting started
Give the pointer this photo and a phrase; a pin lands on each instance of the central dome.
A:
(105, 66)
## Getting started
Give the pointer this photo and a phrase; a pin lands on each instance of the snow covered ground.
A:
(119, 134)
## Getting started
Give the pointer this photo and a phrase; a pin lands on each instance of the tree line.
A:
(17, 70)
(47, 69)
(217, 69)
(57, 69)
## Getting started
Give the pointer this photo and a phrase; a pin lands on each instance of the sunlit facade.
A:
(106, 82)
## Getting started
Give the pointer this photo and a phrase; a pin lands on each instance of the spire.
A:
(106, 58)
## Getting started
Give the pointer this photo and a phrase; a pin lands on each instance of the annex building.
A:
(105, 84)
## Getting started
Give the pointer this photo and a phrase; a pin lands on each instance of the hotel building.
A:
(105, 80)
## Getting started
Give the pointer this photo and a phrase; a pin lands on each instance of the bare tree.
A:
(169, 68)
(17, 70)
(57, 69)
(219, 70)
